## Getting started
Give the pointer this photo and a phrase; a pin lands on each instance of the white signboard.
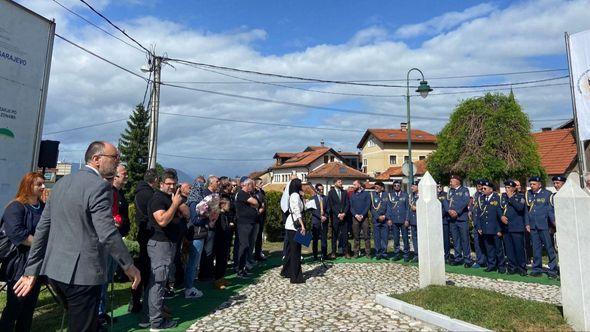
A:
(26, 43)
(579, 47)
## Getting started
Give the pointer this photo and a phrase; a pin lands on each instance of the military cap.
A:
(479, 182)
(487, 183)
(380, 184)
(510, 183)
(535, 179)
(456, 177)
(559, 178)
(397, 182)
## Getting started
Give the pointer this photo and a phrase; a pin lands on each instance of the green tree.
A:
(486, 137)
(133, 146)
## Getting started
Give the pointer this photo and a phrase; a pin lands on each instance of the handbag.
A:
(7, 250)
(197, 232)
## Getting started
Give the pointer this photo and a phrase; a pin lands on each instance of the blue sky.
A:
(344, 40)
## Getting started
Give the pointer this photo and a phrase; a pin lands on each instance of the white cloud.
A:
(444, 22)
(84, 90)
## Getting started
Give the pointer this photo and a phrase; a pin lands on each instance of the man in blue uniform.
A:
(442, 197)
(414, 219)
(513, 214)
(360, 203)
(488, 223)
(539, 217)
(478, 241)
(458, 215)
(379, 203)
(397, 216)
(319, 222)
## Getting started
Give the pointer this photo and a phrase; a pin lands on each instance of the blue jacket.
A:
(477, 198)
(540, 209)
(316, 214)
(398, 209)
(444, 202)
(360, 203)
(413, 200)
(514, 208)
(379, 204)
(459, 201)
(488, 219)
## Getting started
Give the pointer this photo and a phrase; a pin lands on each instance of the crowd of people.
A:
(73, 242)
(509, 230)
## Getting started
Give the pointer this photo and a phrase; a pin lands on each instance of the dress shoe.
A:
(332, 256)
(468, 265)
(397, 257)
(406, 260)
(300, 281)
(501, 270)
(385, 257)
(535, 274)
(552, 275)
(368, 256)
(415, 259)
(455, 263)
(491, 269)
(522, 272)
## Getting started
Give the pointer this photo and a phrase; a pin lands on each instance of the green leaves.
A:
(486, 137)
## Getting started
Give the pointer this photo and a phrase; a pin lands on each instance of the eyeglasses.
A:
(115, 157)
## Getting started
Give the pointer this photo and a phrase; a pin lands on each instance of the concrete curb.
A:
(427, 316)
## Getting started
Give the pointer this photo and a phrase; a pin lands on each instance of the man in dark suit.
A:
(319, 222)
(339, 205)
(75, 235)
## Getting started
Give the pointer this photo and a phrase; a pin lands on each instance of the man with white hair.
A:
(247, 215)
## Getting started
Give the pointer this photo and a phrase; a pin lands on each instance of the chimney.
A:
(322, 143)
(404, 126)
(546, 129)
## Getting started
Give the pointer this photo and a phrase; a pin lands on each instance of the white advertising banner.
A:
(579, 45)
(26, 43)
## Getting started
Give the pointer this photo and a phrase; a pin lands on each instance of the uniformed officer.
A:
(379, 203)
(539, 217)
(442, 197)
(513, 214)
(488, 224)
(458, 198)
(414, 219)
(478, 241)
(558, 181)
(397, 216)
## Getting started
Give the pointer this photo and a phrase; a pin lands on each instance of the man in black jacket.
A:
(338, 205)
(143, 194)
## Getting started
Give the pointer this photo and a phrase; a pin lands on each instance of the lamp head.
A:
(424, 89)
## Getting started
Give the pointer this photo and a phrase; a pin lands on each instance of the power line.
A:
(96, 26)
(307, 79)
(379, 80)
(263, 123)
(115, 26)
(497, 89)
(100, 57)
(84, 127)
(324, 108)
(213, 159)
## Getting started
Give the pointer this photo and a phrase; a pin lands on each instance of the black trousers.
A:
(18, 313)
(143, 265)
(245, 230)
(81, 303)
(319, 232)
(258, 247)
(339, 234)
(292, 263)
(221, 249)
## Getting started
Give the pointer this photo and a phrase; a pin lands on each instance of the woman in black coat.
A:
(18, 226)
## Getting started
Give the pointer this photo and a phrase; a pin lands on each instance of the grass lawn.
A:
(488, 309)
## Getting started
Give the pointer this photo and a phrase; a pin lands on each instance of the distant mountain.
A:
(184, 177)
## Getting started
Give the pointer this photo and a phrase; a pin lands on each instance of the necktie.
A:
(321, 205)
(339, 194)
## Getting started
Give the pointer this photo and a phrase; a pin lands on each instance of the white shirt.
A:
(295, 211)
(285, 198)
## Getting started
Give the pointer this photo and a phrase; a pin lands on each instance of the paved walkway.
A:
(341, 298)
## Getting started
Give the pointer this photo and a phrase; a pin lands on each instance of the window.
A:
(326, 158)
(371, 143)
(422, 157)
(406, 158)
(331, 159)
(392, 160)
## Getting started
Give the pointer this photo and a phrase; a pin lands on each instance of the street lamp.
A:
(423, 89)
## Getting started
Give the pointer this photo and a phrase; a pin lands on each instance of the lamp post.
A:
(423, 89)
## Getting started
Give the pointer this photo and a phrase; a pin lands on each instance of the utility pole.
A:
(154, 114)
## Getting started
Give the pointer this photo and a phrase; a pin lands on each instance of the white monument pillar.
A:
(430, 234)
(572, 216)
